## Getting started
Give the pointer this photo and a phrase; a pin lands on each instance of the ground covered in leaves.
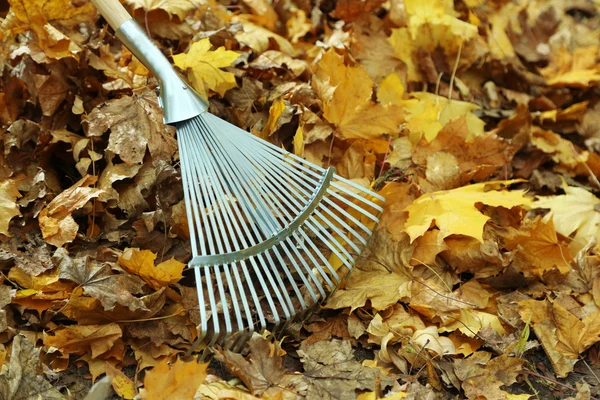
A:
(479, 122)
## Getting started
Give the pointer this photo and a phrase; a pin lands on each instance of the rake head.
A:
(269, 231)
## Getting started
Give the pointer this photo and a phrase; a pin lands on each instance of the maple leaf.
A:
(121, 383)
(576, 211)
(454, 211)
(540, 248)
(483, 376)
(346, 94)
(56, 220)
(431, 24)
(258, 38)
(204, 67)
(579, 69)
(141, 263)
(180, 381)
(379, 277)
(391, 90)
(79, 339)
(98, 281)
(21, 380)
(429, 113)
(8, 204)
(180, 8)
(564, 336)
(331, 371)
(135, 124)
(263, 370)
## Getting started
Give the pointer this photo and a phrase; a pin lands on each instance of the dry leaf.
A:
(346, 93)
(21, 380)
(56, 220)
(8, 205)
(179, 381)
(331, 371)
(454, 211)
(141, 263)
(79, 339)
(134, 124)
(575, 212)
(99, 282)
(204, 67)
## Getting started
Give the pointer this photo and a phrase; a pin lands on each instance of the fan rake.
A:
(270, 232)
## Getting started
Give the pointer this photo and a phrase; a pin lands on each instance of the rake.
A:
(270, 232)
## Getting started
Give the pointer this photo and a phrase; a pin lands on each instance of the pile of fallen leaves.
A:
(479, 121)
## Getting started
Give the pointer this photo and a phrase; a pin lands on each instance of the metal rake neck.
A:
(177, 99)
(219, 259)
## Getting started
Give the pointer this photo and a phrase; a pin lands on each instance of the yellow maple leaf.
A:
(429, 113)
(204, 67)
(391, 90)
(431, 24)
(579, 69)
(275, 112)
(348, 104)
(576, 211)
(178, 382)
(141, 263)
(8, 204)
(454, 211)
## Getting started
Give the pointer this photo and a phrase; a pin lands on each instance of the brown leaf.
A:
(262, 370)
(477, 158)
(331, 371)
(99, 282)
(482, 376)
(135, 124)
(22, 379)
(538, 245)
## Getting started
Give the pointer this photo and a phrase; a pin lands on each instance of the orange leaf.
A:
(179, 382)
(141, 263)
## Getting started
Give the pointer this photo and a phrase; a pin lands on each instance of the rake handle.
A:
(113, 12)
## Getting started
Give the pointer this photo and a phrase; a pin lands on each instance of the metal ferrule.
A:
(178, 100)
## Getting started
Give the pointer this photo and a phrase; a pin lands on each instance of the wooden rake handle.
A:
(113, 12)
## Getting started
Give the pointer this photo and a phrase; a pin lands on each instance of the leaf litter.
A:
(476, 120)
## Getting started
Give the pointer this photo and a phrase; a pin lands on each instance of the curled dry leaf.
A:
(56, 220)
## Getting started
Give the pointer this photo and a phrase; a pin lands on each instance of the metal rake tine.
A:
(259, 276)
(233, 229)
(273, 287)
